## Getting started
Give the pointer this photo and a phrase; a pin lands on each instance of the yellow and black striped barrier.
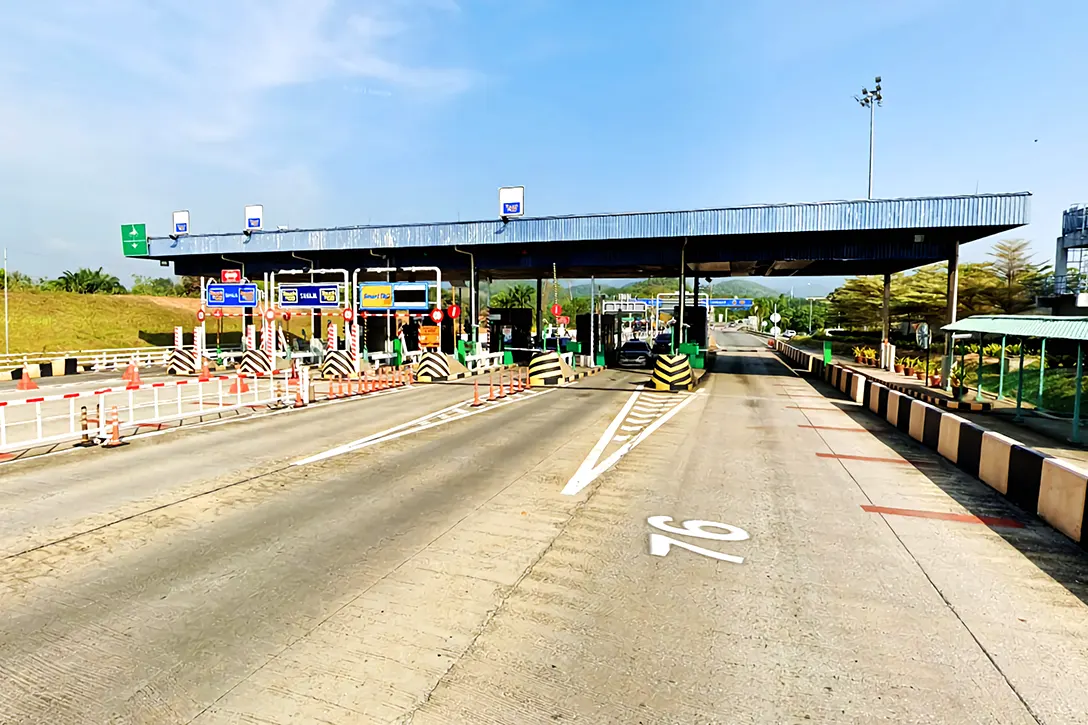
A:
(545, 368)
(337, 364)
(672, 372)
(433, 367)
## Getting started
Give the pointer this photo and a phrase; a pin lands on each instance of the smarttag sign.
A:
(309, 295)
(730, 302)
(231, 295)
(375, 296)
(511, 201)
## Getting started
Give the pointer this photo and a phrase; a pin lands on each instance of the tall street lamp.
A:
(871, 99)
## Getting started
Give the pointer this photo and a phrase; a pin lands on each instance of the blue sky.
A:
(417, 110)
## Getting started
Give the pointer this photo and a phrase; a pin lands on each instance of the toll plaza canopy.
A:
(871, 236)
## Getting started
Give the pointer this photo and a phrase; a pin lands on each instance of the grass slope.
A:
(55, 321)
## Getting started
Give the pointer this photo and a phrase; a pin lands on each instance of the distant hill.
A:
(741, 288)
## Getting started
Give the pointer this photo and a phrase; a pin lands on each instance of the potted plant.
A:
(908, 366)
(859, 355)
(934, 376)
(900, 363)
(957, 378)
(870, 356)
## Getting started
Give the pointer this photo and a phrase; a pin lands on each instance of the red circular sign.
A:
(217, 313)
(454, 311)
(349, 314)
(270, 315)
(436, 315)
(557, 309)
(286, 315)
(200, 315)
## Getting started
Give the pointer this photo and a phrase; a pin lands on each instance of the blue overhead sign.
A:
(309, 295)
(231, 295)
(730, 302)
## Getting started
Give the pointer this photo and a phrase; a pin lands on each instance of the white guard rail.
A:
(50, 419)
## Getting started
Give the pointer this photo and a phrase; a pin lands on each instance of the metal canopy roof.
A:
(834, 237)
(1055, 328)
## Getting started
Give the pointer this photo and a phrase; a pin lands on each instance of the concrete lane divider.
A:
(1052, 488)
(546, 368)
(47, 369)
(672, 372)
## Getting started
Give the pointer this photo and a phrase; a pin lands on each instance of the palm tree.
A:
(520, 295)
(88, 281)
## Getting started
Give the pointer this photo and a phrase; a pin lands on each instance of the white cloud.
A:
(116, 108)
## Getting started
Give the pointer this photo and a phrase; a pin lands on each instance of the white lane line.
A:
(621, 439)
(580, 480)
(404, 429)
(606, 437)
(632, 427)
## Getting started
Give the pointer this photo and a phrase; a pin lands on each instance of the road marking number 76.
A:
(660, 544)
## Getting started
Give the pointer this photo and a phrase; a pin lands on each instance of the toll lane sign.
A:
(309, 295)
(375, 296)
(134, 240)
(231, 295)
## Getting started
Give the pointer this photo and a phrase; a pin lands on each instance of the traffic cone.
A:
(476, 402)
(491, 387)
(528, 382)
(502, 391)
(134, 379)
(299, 402)
(130, 372)
(205, 373)
(115, 430)
(515, 380)
(26, 382)
(410, 380)
(238, 386)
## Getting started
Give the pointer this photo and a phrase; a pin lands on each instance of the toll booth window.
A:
(410, 296)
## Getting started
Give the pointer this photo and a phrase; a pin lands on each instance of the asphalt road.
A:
(422, 565)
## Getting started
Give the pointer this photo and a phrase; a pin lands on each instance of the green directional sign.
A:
(134, 240)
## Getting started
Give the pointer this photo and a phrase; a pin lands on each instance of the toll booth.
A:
(373, 333)
(511, 327)
(448, 338)
(695, 322)
(606, 335)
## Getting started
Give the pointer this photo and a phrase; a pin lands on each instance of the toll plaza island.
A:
(368, 515)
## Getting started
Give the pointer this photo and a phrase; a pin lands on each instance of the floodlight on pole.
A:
(871, 99)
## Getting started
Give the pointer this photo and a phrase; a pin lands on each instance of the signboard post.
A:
(134, 240)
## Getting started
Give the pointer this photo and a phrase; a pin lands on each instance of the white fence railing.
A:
(48, 420)
(483, 361)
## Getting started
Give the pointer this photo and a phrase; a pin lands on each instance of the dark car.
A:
(635, 353)
(663, 344)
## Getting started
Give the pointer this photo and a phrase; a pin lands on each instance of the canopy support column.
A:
(950, 313)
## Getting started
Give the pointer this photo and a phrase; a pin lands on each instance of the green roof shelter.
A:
(1043, 328)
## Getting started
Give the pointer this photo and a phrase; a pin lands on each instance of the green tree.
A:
(519, 295)
(155, 287)
(1017, 274)
(88, 281)
(18, 280)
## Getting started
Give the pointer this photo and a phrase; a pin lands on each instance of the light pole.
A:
(871, 99)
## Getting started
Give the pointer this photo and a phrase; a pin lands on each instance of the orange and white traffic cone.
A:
(115, 430)
(502, 390)
(26, 382)
(476, 402)
(527, 384)
(205, 373)
(491, 387)
(130, 371)
(238, 386)
(299, 402)
(134, 379)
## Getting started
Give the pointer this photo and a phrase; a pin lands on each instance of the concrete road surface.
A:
(717, 558)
